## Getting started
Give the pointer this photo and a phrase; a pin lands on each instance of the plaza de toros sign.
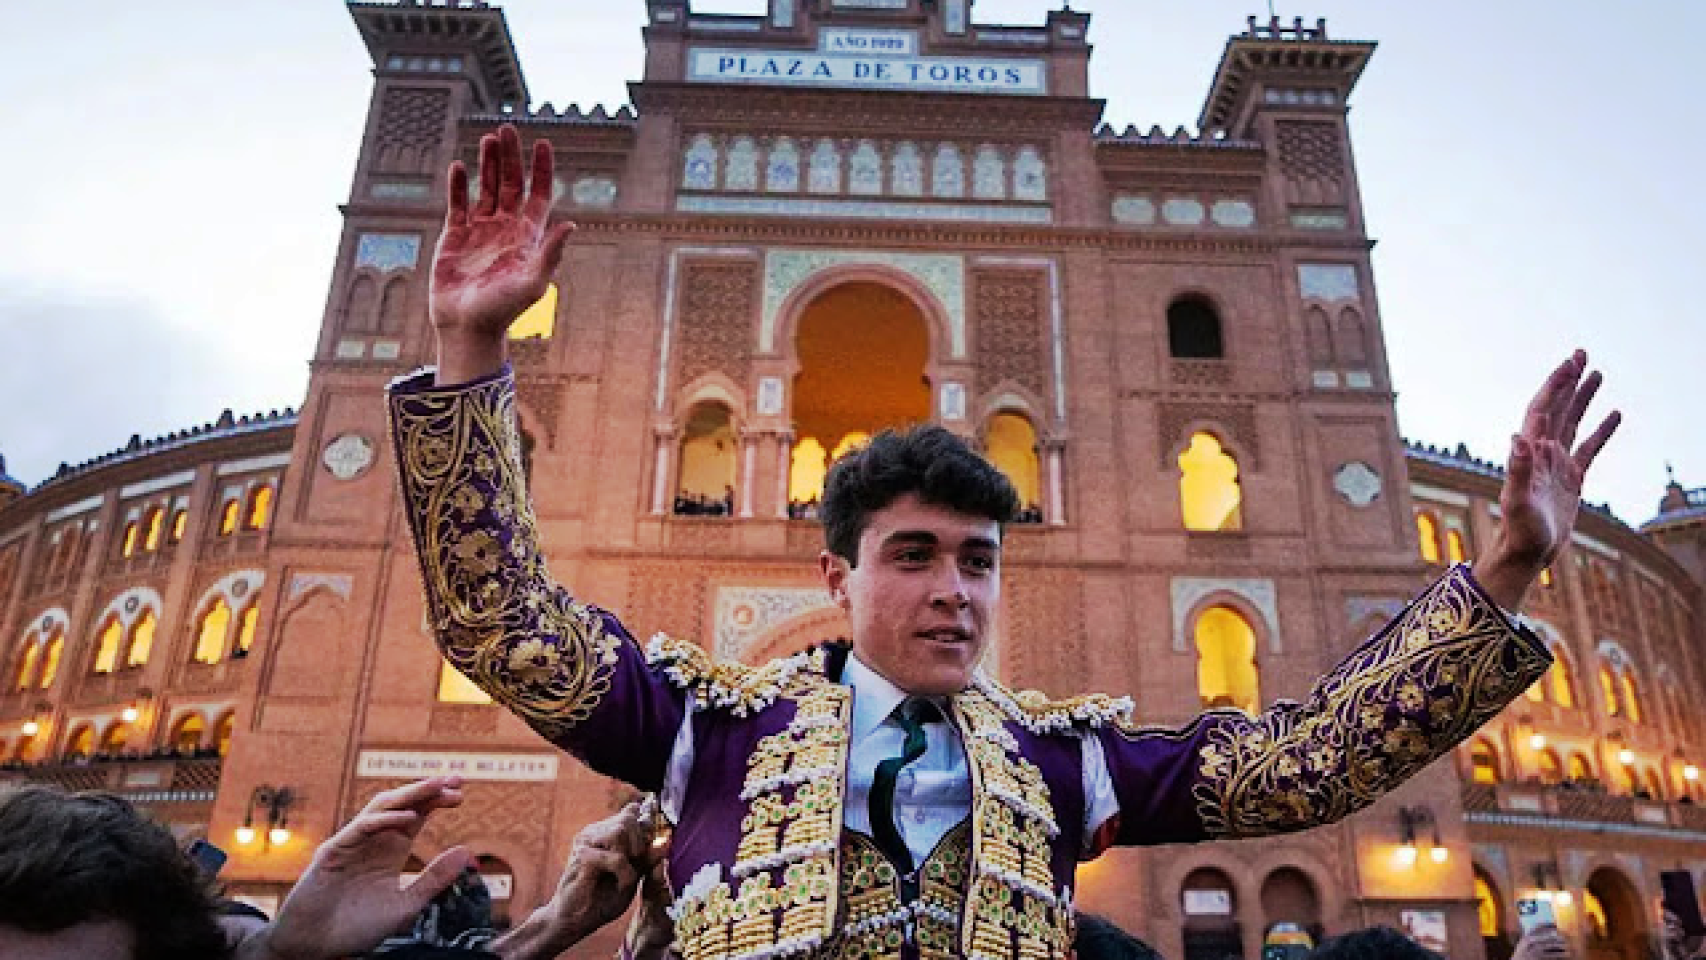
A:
(868, 60)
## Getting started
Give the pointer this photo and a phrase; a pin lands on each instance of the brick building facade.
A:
(809, 225)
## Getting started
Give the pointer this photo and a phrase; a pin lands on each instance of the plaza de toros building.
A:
(809, 225)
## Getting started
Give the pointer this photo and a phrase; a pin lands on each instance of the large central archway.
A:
(862, 349)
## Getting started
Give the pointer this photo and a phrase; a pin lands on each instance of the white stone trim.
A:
(1259, 593)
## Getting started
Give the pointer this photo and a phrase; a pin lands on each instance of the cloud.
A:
(81, 373)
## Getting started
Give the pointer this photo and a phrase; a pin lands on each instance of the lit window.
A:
(1598, 925)
(1011, 443)
(1551, 770)
(180, 520)
(246, 629)
(106, 648)
(1580, 769)
(1208, 486)
(1486, 906)
(1536, 691)
(27, 662)
(260, 507)
(186, 736)
(228, 517)
(222, 733)
(1484, 762)
(1546, 578)
(210, 638)
(50, 666)
(1562, 684)
(1427, 532)
(539, 321)
(1454, 547)
(130, 539)
(1226, 660)
(453, 687)
(81, 743)
(1608, 689)
(117, 737)
(155, 524)
(1631, 699)
(707, 464)
(141, 639)
(806, 475)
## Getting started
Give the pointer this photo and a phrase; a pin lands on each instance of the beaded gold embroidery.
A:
(874, 920)
(496, 614)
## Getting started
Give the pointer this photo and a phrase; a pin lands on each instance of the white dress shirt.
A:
(932, 794)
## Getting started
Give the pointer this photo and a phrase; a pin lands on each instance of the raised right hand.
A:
(494, 260)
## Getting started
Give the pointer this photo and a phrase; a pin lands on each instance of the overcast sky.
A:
(1529, 170)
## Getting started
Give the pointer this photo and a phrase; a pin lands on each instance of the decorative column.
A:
(784, 467)
(1054, 458)
(665, 440)
(749, 441)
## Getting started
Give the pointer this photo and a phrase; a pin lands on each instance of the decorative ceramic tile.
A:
(742, 173)
(1030, 176)
(954, 17)
(595, 192)
(744, 614)
(348, 456)
(388, 251)
(394, 190)
(1238, 214)
(1328, 281)
(953, 401)
(864, 209)
(1134, 210)
(1189, 591)
(942, 274)
(782, 13)
(351, 349)
(387, 349)
(825, 176)
(948, 173)
(1182, 211)
(1358, 379)
(782, 171)
(1357, 483)
(699, 170)
(769, 396)
(865, 176)
(907, 171)
(989, 174)
(1326, 379)
(1320, 219)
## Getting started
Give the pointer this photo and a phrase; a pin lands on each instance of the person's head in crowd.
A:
(1100, 939)
(87, 876)
(912, 525)
(1544, 942)
(1374, 943)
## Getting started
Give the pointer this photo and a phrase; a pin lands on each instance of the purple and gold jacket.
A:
(759, 859)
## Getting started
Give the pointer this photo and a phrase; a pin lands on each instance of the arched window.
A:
(1608, 689)
(1352, 340)
(989, 174)
(1427, 533)
(948, 173)
(539, 321)
(1454, 549)
(116, 739)
(742, 172)
(1558, 678)
(699, 165)
(361, 306)
(25, 751)
(180, 520)
(809, 464)
(210, 635)
(141, 639)
(229, 514)
(50, 663)
(708, 462)
(29, 658)
(1011, 444)
(1209, 490)
(154, 522)
(222, 733)
(1551, 770)
(260, 507)
(1210, 910)
(246, 630)
(824, 173)
(130, 538)
(1318, 333)
(1623, 778)
(392, 306)
(1484, 762)
(1288, 896)
(1487, 906)
(106, 646)
(782, 167)
(1536, 691)
(1193, 329)
(1226, 660)
(81, 742)
(1581, 770)
(186, 734)
(454, 687)
(1631, 696)
(1655, 785)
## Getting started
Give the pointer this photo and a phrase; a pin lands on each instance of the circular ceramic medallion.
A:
(1358, 483)
(348, 456)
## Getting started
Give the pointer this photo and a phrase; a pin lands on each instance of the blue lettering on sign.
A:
(823, 70)
(831, 69)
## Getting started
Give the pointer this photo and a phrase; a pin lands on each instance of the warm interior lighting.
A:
(1626, 757)
(1563, 898)
(1543, 895)
(129, 714)
(1538, 741)
(278, 836)
(245, 835)
(31, 728)
(1407, 855)
(1690, 773)
(1439, 854)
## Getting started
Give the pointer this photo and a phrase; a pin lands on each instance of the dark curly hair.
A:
(1373, 943)
(925, 460)
(67, 859)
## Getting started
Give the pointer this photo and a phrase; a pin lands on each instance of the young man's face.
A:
(923, 598)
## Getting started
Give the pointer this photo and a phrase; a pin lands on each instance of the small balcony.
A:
(1580, 806)
(151, 780)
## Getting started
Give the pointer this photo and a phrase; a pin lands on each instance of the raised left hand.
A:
(1543, 481)
(348, 901)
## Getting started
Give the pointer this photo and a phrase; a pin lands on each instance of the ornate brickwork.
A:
(515, 813)
(719, 301)
(667, 598)
(1009, 306)
(1238, 420)
(1312, 158)
(1045, 623)
(411, 126)
(459, 720)
(543, 398)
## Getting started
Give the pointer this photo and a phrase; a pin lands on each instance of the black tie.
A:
(912, 715)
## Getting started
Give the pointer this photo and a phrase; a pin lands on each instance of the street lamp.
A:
(1411, 819)
(277, 801)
